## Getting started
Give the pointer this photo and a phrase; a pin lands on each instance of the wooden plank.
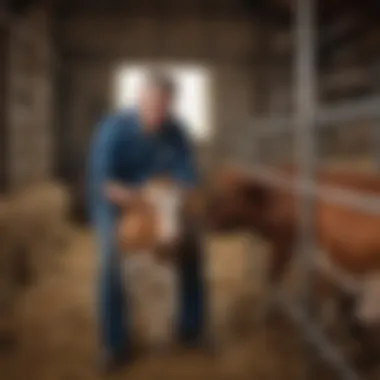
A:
(346, 82)
(4, 40)
(4, 16)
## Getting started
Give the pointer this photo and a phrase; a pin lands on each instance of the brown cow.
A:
(154, 217)
(349, 238)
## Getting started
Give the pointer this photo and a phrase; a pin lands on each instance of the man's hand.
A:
(118, 194)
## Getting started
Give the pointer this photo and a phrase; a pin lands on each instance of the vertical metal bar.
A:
(277, 140)
(255, 152)
(306, 111)
(305, 149)
(261, 85)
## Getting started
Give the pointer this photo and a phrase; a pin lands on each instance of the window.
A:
(192, 104)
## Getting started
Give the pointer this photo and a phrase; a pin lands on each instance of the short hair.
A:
(161, 80)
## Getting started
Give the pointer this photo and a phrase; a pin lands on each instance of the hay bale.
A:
(50, 201)
(33, 225)
(37, 228)
(5, 254)
(43, 209)
(14, 250)
(11, 285)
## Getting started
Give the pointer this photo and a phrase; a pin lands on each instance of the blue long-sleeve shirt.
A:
(121, 151)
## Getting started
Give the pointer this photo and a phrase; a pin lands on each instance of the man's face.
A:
(155, 105)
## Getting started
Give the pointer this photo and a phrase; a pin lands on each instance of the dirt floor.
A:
(57, 330)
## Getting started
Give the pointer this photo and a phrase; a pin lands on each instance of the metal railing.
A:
(308, 120)
(326, 117)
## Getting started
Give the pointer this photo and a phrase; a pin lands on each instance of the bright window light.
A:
(192, 104)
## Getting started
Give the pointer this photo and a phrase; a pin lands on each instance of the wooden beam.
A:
(17, 7)
(4, 135)
(61, 86)
(346, 83)
(5, 17)
(350, 37)
(264, 65)
(171, 8)
(102, 57)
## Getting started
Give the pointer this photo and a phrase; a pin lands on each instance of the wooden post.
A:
(4, 55)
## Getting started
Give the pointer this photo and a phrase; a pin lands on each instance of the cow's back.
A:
(351, 237)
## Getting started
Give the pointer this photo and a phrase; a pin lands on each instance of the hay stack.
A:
(11, 273)
(10, 258)
(43, 208)
(38, 218)
(33, 228)
(5, 255)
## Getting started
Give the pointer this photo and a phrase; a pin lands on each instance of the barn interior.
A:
(66, 64)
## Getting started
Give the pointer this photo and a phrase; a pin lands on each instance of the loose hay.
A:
(57, 328)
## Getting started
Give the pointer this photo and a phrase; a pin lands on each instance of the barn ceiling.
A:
(341, 21)
(277, 11)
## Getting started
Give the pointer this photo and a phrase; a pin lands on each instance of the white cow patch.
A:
(152, 284)
(151, 287)
(167, 203)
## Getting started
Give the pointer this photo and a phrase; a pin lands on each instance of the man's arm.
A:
(103, 163)
(185, 169)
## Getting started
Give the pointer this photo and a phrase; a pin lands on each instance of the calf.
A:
(349, 239)
(150, 233)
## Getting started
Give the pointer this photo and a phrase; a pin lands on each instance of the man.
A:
(128, 149)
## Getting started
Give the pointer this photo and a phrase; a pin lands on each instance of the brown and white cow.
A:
(349, 240)
(150, 235)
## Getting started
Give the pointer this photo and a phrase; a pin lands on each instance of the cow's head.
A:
(154, 218)
(235, 201)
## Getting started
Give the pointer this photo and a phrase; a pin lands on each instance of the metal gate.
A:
(309, 117)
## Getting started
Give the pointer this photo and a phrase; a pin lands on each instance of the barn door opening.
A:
(193, 101)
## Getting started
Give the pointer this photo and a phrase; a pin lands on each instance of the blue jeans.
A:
(192, 312)
(113, 306)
